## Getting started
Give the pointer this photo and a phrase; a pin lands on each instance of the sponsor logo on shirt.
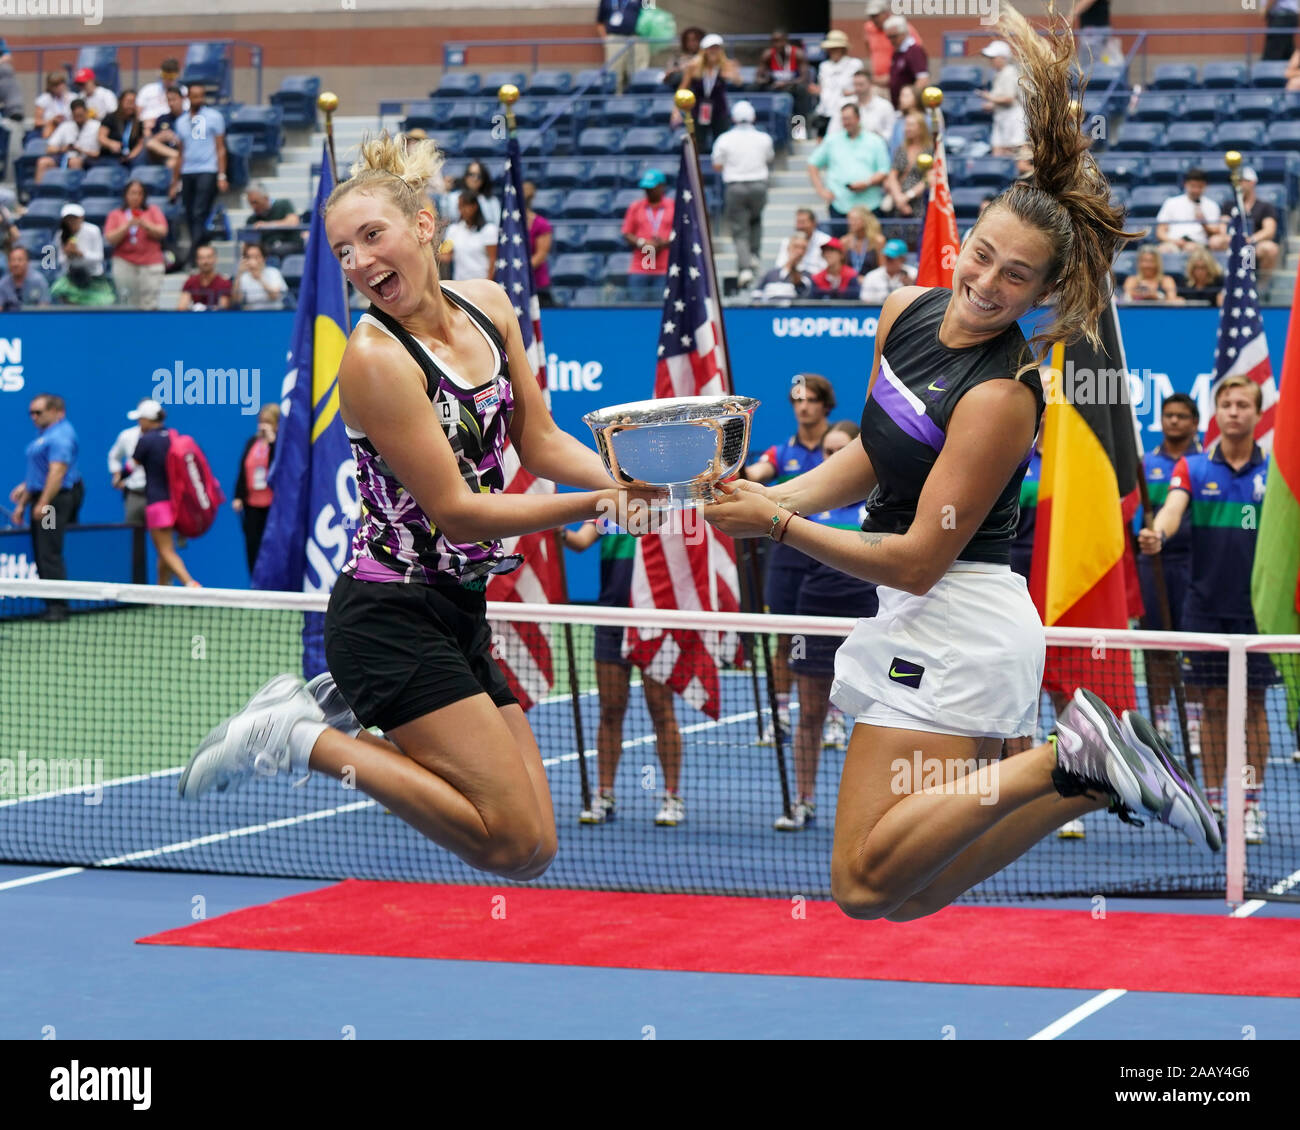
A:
(487, 398)
(905, 672)
(1211, 488)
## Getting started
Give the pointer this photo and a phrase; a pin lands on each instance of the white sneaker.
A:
(672, 813)
(834, 733)
(745, 280)
(1254, 824)
(601, 810)
(802, 813)
(1073, 830)
(767, 739)
(334, 706)
(254, 741)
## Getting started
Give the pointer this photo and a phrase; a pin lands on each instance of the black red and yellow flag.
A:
(1083, 574)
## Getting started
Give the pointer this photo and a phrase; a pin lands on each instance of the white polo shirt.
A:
(813, 261)
(836, 82)
(878, 115)
(743, 153)
(85, 138)
(1180, 214)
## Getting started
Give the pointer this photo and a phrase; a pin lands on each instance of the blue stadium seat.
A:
(600, 141)
(207, 63)
(481, 143)
(605, 237)
(547, 83)
(296, 99)
(567, 238)
(575, 270)
(103, 61)
(291, 268)
(1281, 135)
(1121, 169)
(155, 178)
(623, 200)
(1204, 106)
(993, 172)
(749, 78)
(1153, 106)
(1098, 104)
(36, 240)
(1288, 104)
(457, 84)
(589, 204)
(104, 180)
(1223, 76)
(1103, 75)
(466, 113)
(958, 109)
(263, 124)
(966, 202)
(1145, 200)
(648, 80)
(1268, 73)
(615, 268)
(588, 296)
(538, 143)
(1139, 137)
(564, 173)
(633, 171)
(1175, 263)
(25, 164)
(530, 113)
(1241, 135)
(1166, 171)
(1185, 135)
(647, 139)
(1125, 264)
(497, 79)
(1276, 195)
(63, 184)
(1174, 76)
(621, 112)
(1118, 196)
(596, 81)
(968, 134)
(640, 288)
(1254, 105)
(239, 157)
(608, 173)
(43, 212)
(428, 116)
(960, 76)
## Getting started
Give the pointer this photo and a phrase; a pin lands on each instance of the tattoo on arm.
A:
(872, 539)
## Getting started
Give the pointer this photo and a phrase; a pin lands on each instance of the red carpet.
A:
(961, 945)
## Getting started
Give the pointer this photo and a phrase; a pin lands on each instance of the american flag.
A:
(1242, 348)
(524, 650)
(689, 565)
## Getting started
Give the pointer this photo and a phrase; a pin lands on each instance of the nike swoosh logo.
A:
(894, 673)
(937, 388)
(1068, 738)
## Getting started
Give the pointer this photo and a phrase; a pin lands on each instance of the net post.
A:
(575, 687)
(1234, 798)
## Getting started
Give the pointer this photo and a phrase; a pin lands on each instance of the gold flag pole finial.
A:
(1233, 160)
(684, 100)
(508, 95)
(329, 102)
(932, 99)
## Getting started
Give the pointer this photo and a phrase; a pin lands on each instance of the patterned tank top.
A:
(396, 540)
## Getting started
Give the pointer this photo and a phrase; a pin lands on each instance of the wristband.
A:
(785, 526)
(776, 521)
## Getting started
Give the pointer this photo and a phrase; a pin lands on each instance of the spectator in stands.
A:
(1092, 28)
(863, 242)
(880, 50)
(1025, 164)
(834, 85)
(1003, 101)
(1263, 224)
(648, 227)
(121, 134)
(22, 286)
(151, 454)
(257, 286)
(100, 101)
(906, 182)
(1149, 283)
(541, 237)
(9, 233)
(1281, 17)
(783, 69)
(473, 253)
(54, 107)
(805, 225)
(909, 65)
(477, 181)
(856, 164)
(201, 138)
(1293, 71)
(252, 501)
(80, 243)
(744, 156)
(205, 289)
(1190, 219)
(51, 489)
(690, 48)
(264, 214)
(876, 113)
(908, 103)
(1223, 491)
(838, 280)
(163, 143)
(879, 284)
(984, 207)
(78, 287)
(1202, 278)
(791, 280)
(153, 101)
(127, 474)
(707, 76)
(12, 102)
(74, 144)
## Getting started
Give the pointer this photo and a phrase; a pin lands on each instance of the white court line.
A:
(1071, 1018)
(41, 877)
(73, 789)
(1246, 909)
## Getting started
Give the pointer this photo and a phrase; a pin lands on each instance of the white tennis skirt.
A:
(966, 658)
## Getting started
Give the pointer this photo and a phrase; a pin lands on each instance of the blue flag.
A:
(314, 503)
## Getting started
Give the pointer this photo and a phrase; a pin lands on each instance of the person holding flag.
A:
(953, 662)
(432, 382)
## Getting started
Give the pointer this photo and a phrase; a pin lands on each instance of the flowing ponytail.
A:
(403, 167)
(1068, 198)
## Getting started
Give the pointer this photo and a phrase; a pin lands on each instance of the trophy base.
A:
(687, 496)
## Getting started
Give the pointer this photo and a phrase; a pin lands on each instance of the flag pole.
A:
(684, 100)
(329, 102)
(508, 95)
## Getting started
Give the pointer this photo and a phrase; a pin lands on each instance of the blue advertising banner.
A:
(212, 372)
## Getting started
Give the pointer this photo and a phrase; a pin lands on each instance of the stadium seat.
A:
(1145, 200)
(1166, 171)
(239, 156)
(63, 184)
(466, 114)
(263, 124)
(966, 202)
(1281, 135)
(1204, 106)
(1276, 195)
(640, 288)
(960, 76)
(36, 240)
(607, 174)
(291, 268)
(1125, 264)
(588, 296)
(1223, 76)
(621, 112)
(537, 143)
(633, 171)
(530, 113)
(647, 139)
(596, 82)
(213, 74)
(155, 178)
(1153, 106)
(1119, 196)
(1140, 137)
(564, 173)
(575, 270)
(968, 135)
(25, 164)
(296, 99)
(43, 212)
(103, 61)
(1121, 169)
(1185, 135)
(615, 268)
(497, 79)
(457, 84)
(1175, 263)
(1253, 105)
(600, 141)
(428, 116)
(1268, 73)
(1242, 135)
(567, 238)
(481, 143)
(604, 237)
(547, 83)
(97, 210)
(623, 200)
(648, 80)
(548, 203)
(1174, 76)
(995, 172)
(589, 204)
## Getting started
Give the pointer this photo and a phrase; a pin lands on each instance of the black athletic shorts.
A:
(399, 651)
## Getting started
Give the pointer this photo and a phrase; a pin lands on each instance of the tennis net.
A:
(102, 710)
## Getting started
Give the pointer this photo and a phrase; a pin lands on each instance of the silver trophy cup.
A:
(685, 444)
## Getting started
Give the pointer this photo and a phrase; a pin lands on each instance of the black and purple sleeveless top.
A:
(396, 540)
